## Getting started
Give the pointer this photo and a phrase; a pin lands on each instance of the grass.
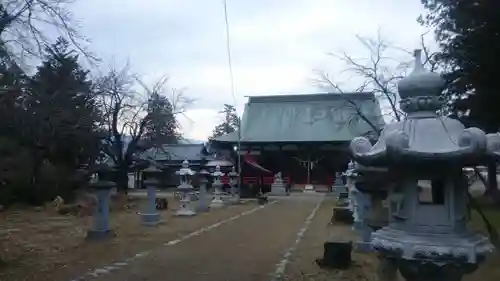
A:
(41, 245)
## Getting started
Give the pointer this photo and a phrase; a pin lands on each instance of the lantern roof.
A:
(424, 136)
(217, 172)
(185, 170)
(233, 172)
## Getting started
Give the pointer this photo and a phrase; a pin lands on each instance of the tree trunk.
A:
(492, 192)
(121, 180)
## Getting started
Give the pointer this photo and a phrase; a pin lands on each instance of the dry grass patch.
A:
(42, 245)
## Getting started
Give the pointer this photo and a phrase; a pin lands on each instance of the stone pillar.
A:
(100, 228)
(361, 208)
(151, 217)
(202, 200)
(217, 200)
(185, 188)
(233, 181)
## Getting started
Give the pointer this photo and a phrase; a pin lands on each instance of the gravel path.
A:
(249, 248)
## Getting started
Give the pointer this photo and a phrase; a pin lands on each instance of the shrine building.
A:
(305, 137)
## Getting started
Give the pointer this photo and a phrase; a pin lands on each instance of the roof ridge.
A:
(310, 97)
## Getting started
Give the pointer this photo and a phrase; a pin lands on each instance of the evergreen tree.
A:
(230, 123)
(63, 107)
(162, 126)
(469, 36)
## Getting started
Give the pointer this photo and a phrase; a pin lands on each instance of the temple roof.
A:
(307, 118)
(177, 152)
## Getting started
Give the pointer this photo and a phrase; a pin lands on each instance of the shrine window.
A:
(431, 192)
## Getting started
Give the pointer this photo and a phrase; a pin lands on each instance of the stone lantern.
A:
(102, 188)
(202, 200)
(233, 182)
(217, 184)
(151, 217)
(427, 237)
(185, 188)
(343, 207)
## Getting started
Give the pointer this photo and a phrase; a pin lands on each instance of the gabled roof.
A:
(177, 152)
(307, 118)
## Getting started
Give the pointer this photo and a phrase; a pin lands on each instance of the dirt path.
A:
(246, 249)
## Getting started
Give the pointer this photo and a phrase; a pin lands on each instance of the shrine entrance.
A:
(305, 166)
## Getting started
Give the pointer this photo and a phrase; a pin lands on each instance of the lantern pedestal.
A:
(101, 229)
(202, 200)
(217, 201)
(150, 217)
(185, 208)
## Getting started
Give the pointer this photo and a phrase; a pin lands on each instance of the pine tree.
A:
(65, 115)
(162, 126)
(230, 123)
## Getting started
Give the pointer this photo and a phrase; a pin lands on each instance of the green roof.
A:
(307, 118)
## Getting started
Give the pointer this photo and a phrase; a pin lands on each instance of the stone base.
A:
(95, 235)
(202, 209)
(150, 219)
(235, 200)
(185, 212)
(336, 255)
(309, 189)
(342, 214)
(278, 190)
(363, 247)
(217, 203)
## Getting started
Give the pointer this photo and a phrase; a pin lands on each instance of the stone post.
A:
(233, 181)
(202, 200)
(217, 200)
(100, 228)
(185, 188)
(151, 217)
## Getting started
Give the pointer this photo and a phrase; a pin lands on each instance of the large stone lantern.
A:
(185, 188)
(217, 184)
(233, 182)
(427, 237)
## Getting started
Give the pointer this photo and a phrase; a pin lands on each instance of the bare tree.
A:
(126, 118)
(25, 27)
(379, 73)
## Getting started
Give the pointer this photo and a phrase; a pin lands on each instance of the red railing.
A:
(286, 180)
(251, 180)
(267, 180)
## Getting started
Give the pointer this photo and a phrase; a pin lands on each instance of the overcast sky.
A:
(276, 44)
